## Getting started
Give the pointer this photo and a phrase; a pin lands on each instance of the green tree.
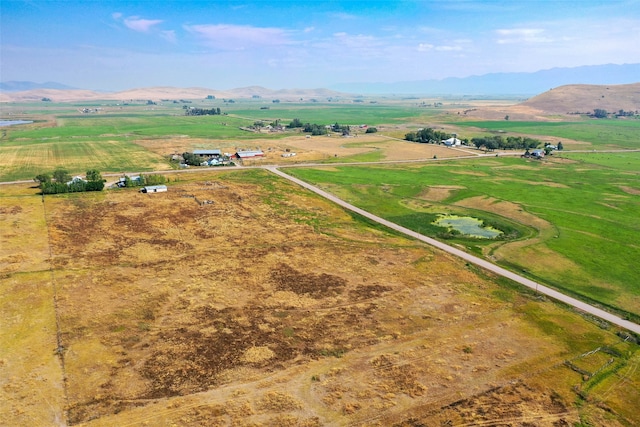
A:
(191, 159)
(599, 113)
(61, 175)
(42, 179)
(153, 179)
(478, 142)
(411, 136)
(93, 175)
(296, 123)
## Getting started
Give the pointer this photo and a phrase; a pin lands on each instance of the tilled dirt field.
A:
(242, 300)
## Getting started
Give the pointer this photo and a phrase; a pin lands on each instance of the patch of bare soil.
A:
(512, 405)
(437, 193)
(630, 190)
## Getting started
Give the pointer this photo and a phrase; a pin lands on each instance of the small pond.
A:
(467, 225)
(14, 122)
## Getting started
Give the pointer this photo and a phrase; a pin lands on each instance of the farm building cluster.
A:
(215, 157)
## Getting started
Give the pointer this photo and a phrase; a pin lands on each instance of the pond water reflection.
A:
(14, 122)
(468, 226)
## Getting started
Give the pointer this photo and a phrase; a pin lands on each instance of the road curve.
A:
(552, 293)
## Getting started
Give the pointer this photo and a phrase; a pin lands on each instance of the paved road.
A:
(470, 258)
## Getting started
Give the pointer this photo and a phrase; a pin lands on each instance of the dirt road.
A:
(470, 258)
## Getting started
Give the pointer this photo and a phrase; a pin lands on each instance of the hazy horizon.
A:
(117, 45)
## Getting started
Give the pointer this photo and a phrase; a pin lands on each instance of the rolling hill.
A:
(163, 92)
(586, 98)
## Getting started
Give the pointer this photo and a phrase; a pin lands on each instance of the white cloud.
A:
(522, 35)
(141, 25)
(425, 47)
(238, 37)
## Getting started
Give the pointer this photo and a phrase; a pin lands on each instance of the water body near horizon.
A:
(4, 123)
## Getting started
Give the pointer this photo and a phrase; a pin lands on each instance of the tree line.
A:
(61, 181)
(316, 129)
(427, 135)
(190, 111)
(498, 142)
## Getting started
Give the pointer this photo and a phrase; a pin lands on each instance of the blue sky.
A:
(116, 45)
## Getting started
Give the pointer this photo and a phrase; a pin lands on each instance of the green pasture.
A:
(328, 113)
(591, 202)
(600, 133)
(122, 126)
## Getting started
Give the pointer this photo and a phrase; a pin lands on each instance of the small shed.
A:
(154, 189)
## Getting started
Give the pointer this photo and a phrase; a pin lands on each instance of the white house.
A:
(76, 179)
(452, 142)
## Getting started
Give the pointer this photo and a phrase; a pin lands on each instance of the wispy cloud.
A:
(425, 47)
(522, 35)
(448, 48)
(238, 37)
(141, 25)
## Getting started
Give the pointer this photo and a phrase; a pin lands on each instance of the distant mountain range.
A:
(495, 84)
(500, 84)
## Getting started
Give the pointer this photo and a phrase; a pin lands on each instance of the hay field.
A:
(270, 306)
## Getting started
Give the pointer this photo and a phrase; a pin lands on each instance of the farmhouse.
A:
(135, 180)
(452, 142)
(537, 153)
(154, 189)
(76, 179)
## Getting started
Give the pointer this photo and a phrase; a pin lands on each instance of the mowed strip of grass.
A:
(591, 205)
(601, 133)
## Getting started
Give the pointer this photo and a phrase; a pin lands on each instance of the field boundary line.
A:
(59, 351)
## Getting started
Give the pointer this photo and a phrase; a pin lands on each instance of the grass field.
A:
(120, 137)
(327, 113)
(579, 246)
(272, 306)
(601, 134)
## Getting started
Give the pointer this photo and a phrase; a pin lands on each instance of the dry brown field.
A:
(316, 148)
(237, 298)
